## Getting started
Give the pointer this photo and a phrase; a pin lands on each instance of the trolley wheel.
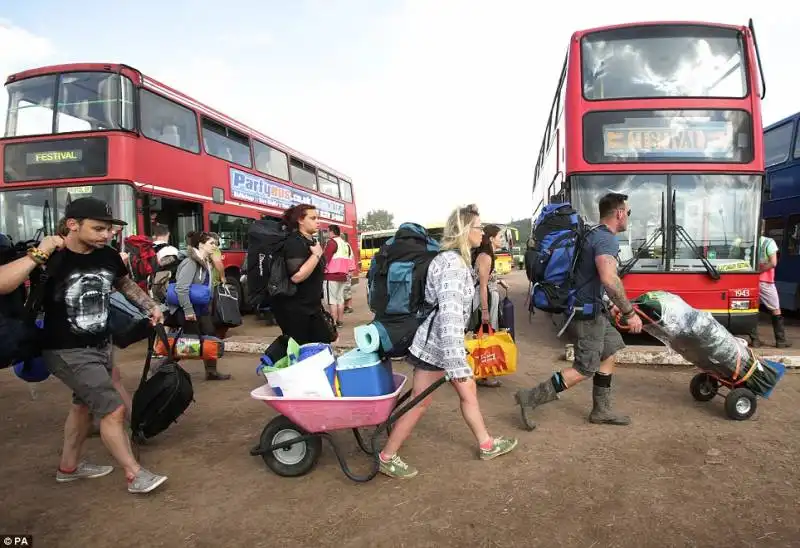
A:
(297, 459)
(740, 404)
(704, 387)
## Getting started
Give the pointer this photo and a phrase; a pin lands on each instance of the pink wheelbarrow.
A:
(291, 443)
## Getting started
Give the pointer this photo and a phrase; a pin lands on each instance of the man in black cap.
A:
(77, 346)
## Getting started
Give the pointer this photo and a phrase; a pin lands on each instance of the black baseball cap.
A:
(91, 208)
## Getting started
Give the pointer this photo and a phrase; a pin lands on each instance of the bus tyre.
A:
(703, 387)
(740, 404)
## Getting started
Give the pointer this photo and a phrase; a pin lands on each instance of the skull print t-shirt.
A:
(77, 296)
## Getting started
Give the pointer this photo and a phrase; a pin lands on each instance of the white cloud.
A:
(20, 50)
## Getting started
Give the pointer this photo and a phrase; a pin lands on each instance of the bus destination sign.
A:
(61, 159)
(54, 156)
(258, 190)
(686, 139)
(667, 136)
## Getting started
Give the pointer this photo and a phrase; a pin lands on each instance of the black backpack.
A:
(396, 284)
(161, 399)
(267, 276)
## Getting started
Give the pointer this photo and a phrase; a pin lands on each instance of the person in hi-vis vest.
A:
(338, 264)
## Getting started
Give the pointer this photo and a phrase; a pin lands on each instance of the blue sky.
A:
(426, 104)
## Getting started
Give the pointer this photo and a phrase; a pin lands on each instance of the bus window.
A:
(271, 161)
(793, 235)
(773, 228)
(303, 174)
(797, 145)
(232, 230)
(223, 142)
(777, 143)
(168, 122)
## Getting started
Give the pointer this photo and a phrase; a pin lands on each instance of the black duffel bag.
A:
(160, 400)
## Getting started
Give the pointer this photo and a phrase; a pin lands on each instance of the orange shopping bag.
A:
(491, 355)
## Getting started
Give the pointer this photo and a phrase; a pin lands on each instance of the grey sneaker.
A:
(84, 471)
(145, 481)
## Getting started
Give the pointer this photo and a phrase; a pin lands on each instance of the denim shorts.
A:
(417, 363)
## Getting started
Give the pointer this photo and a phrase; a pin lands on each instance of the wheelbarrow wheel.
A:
(704, 387)
(296, 460)
(740, 404)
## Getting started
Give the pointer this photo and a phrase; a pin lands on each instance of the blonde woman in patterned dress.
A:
(438, 345)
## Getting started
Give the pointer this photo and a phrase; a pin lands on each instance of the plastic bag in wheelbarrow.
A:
(703, 341)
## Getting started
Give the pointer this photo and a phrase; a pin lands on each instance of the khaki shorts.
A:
(595, 341)
(334, 292)
(87, 371)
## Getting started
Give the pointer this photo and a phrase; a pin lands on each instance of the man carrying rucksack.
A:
(167, 258)
(595, 337)
(82, 270)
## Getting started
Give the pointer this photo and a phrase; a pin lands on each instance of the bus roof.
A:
(378, 232)
(782, 121)
(163, 89)
(579, 34)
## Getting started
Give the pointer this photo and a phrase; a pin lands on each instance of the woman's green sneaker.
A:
(396, 468)
(500, 446)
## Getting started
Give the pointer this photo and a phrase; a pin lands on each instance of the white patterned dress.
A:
(451, 284)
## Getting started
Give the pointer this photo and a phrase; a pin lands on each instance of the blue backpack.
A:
(396, 285)
(558, 236)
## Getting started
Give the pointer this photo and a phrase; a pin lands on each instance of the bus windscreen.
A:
(663, 61)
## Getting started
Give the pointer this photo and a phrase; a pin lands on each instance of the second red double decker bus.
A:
(668, 113)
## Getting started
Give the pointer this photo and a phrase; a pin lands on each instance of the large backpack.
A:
(267, 276)
(142, 259)
(396, 284)
(558, 237)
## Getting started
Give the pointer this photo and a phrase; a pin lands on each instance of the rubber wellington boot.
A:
(780, 332)
(755, 342)
(531, 398)
(601, 411)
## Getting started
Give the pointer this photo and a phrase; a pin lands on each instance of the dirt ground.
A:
(680, 475)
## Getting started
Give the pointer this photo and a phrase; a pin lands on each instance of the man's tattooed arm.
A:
(134, 293)
(607, 269)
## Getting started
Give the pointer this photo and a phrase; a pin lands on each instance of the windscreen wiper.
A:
(698, 253)
(659, 232)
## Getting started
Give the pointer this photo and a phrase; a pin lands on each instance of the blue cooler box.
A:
(363, 374)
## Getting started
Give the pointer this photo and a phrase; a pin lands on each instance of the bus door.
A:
(181, 216)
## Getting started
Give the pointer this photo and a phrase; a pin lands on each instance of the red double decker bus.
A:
(669, 114)
(156, 155)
